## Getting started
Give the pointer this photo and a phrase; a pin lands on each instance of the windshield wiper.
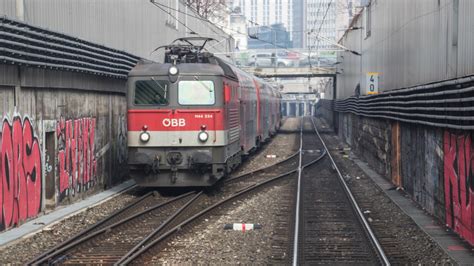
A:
(196, 78)
(165, 89)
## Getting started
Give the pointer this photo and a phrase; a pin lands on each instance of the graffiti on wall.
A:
(20, 172)
(459, 183)
(77, 164)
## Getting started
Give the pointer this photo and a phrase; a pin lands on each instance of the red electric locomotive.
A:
(191, 119)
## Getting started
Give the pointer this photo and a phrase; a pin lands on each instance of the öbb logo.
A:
(174, 122)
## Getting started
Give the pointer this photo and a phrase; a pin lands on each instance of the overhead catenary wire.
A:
(319, 30)
(322, 21)
(169, 13)
(312, 28)
(161, 6)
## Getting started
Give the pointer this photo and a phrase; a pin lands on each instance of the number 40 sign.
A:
(372, 83)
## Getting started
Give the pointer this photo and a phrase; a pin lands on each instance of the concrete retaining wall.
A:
(369, 138)
(325, 109)
(422, 166)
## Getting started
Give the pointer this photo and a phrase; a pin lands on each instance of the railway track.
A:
(121, 235)
(144, 202)
(103, 243)
(398, 250)
(261, 178)
(330, 227)
(324, 231)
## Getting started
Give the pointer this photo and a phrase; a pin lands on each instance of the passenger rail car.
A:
(192, 118)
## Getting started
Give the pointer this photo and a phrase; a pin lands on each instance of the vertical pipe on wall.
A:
(108, 182)
(455, 36)
(396, 154)
(185, 20)
(334, 113)
(20, 10)
(17, 91)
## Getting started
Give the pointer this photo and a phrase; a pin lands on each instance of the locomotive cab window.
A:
(151, 92)
(196, 92)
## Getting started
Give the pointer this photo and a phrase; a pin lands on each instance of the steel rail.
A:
(407, 102)
(64, 61)
(58, 46)
(157, 230)
(262, 169)
(59, 66)
(416, 121)
(50, 36)
(90, 228)
(360, 215)
(387, 96)
(75, 242)
(298, 196)
(60, 53)
(412, 114)
(212, 207)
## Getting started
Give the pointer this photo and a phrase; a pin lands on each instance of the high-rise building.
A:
(320, 21)
(298, 23)
(329, 19)
(266, 12)
(303, 19)
(238, 29)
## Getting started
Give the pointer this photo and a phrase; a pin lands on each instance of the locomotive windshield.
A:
(151, 91)
(196, 92)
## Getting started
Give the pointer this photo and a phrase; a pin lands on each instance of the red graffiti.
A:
(77, 163)
(20, 175)
(459, 184)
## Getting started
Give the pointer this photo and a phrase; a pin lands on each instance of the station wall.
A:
(369, 135)
(410, 43)
(62, 138)
(433, 165)
(413, 43)
(137, 27)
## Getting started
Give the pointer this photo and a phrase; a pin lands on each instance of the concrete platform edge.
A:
(43, 222)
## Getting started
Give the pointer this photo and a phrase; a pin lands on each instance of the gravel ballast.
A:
(31, 246)
(404, 241)
(23, 250)
(209, 243)
(281, 146)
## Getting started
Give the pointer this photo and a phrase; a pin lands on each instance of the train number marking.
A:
(204, 116)
(174, 122)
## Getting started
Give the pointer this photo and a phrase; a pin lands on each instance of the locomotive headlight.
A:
(203, 136)
(173, 70)
(145, 136)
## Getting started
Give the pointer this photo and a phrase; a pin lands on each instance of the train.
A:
(192, 119)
